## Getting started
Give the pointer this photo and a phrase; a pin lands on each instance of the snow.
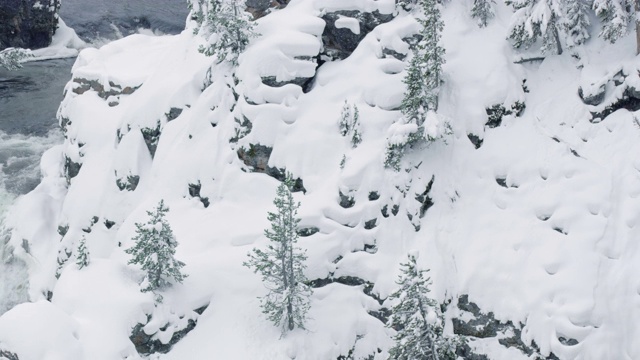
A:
(64, 44)
(553, 249)
(39, 331)
(345, 22)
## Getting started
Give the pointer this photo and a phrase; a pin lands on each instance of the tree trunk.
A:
(556, 37)
(291, 232)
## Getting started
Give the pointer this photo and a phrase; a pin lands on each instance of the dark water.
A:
(29, 97)
(95, 19)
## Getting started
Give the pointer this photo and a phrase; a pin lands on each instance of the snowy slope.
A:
(537, 225)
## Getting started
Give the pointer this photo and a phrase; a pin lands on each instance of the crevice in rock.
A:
(256, 158)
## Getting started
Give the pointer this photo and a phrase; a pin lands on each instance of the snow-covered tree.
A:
(576, 22)
(12, 58)
(228, 28)
(615, 16)
(154, 250)
(282, 264)
(482, 11)
(534, 20)
(423, 82)
(82, 254)
(417, 319)
(425, 69)
(350, 123)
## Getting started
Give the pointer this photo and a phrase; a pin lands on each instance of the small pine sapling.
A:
(482, 11)
(229, 29)
(82, 254)
(350, 123)
(154, 251)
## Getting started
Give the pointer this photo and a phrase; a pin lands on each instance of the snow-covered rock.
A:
(528, 224)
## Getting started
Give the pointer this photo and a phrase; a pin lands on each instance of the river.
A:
(29, 97)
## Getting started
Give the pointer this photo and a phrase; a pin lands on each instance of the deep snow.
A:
(553, 247)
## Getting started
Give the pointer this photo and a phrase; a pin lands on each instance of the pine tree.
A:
(417, 319)
(228, 27)
(615, 15)
(345, 119)
(425, 69)
(482, 11)
(82, 254)
(12, 58)
(282, 264)
(423, 83)
(356, 137)
(350, 123)
(154, 250)
(536, 19)
(577, 22)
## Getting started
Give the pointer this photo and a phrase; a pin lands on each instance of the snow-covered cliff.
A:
(527, 220)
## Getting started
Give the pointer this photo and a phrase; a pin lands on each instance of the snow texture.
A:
(554, 248)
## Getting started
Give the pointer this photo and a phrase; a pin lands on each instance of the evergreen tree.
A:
(228, 27)
(282, 264)
(482, 11)
(417, 319)
(425, 68)
(615, 15)
(350, 123)
(536, 19)
(356, 137)
(154, 250)
(345, 119)
(577, 22)
(12, 58)
(82, 254)
(423, 83)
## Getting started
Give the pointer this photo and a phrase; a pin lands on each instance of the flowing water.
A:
(29, 99)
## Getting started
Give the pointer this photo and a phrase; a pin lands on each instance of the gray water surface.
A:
(96, 19)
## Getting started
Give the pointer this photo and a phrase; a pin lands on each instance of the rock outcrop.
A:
(28, 23)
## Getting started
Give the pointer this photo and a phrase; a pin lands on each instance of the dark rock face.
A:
(260, 8)
(145, 344)
(307, 231)
(194, 192)
(475, 140)
(71, 169)
(593, 99)
(485, 325)
(425, 199)
(6, 354)
(152, 137)
(28, 23)
(81, 86)
(346, 201)
(257, 158)
(130, 183)
(496, 112)
(341, 42)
